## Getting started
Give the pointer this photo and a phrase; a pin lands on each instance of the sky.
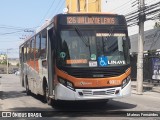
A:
(17, 16)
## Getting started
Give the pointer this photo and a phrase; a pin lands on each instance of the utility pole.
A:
(140, 49)
(7, 61)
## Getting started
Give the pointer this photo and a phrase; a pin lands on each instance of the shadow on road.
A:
(11, 94)
(79, 108)
(87, 105)
(82, 109)
(92, 106)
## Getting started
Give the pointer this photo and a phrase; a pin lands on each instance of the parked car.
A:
(17, 73)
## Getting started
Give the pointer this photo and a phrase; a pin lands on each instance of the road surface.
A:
(14, 98)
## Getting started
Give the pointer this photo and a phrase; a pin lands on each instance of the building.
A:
(85, 5)
(3, 57)
(151, 40)
(151, 62)
(12, 67)
(13, 61)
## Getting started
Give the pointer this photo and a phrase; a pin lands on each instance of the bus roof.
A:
(48, 22)
(91, 13)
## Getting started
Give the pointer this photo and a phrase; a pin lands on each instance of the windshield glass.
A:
(92, 48)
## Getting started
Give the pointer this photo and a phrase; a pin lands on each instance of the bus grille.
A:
(96, 72)
(90, 93)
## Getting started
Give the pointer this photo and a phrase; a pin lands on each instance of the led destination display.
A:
(91, 20)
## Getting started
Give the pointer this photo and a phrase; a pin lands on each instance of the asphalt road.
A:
(14, 98)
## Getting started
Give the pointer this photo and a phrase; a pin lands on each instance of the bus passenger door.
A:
(43, 65)
(50, 59)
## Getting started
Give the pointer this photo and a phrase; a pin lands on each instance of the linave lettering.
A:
(116, 62)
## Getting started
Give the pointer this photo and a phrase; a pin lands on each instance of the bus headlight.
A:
(66, 83)
(125, 81)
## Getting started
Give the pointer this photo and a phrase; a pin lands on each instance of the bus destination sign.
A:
(94, 20)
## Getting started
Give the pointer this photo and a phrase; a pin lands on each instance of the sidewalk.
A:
(148, 89)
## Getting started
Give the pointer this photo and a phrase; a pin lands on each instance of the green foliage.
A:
(3, 62)
(17, 65)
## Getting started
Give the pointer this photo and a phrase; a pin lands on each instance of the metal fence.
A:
(151, 66)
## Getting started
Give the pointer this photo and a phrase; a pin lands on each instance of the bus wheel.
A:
(47, 99)
(28, 92)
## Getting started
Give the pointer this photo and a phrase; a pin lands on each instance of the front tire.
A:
(47, 99)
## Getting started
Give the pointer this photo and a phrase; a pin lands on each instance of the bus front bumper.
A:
(63, 93)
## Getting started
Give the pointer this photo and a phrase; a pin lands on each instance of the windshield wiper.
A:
(84, 39)
(107, 37)
(79, 33)
(110, 33)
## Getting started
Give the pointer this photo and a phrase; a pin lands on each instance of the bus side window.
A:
(43, 44)
(32, 49)
(28, 50)
(25, 52)
(37, 49)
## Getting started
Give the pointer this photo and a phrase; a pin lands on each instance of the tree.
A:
(4, 62)
(17, 65)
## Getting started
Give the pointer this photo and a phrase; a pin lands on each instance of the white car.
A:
(17, 73)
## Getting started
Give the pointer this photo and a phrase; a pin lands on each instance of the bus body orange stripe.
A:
(33, 64)
(93, 82)
(36, 66)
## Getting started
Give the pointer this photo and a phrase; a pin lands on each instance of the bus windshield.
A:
(93, 48)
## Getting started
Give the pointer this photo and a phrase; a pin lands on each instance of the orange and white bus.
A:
(78, 57)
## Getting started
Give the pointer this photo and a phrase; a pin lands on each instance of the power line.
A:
(11, 32)
(47, 11)
(122, 5)
(15, 27)
(9, 26)
(151, 1)
(132, 18)
(10, 41)
(60, 6)
(60, 3)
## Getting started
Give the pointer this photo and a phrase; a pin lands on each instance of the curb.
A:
(147, 87)
(156, 89)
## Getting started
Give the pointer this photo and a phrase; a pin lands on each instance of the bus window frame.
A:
(32, 48)
(37, 51)
(45, 49)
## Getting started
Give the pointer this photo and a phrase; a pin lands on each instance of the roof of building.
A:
(151, 40)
